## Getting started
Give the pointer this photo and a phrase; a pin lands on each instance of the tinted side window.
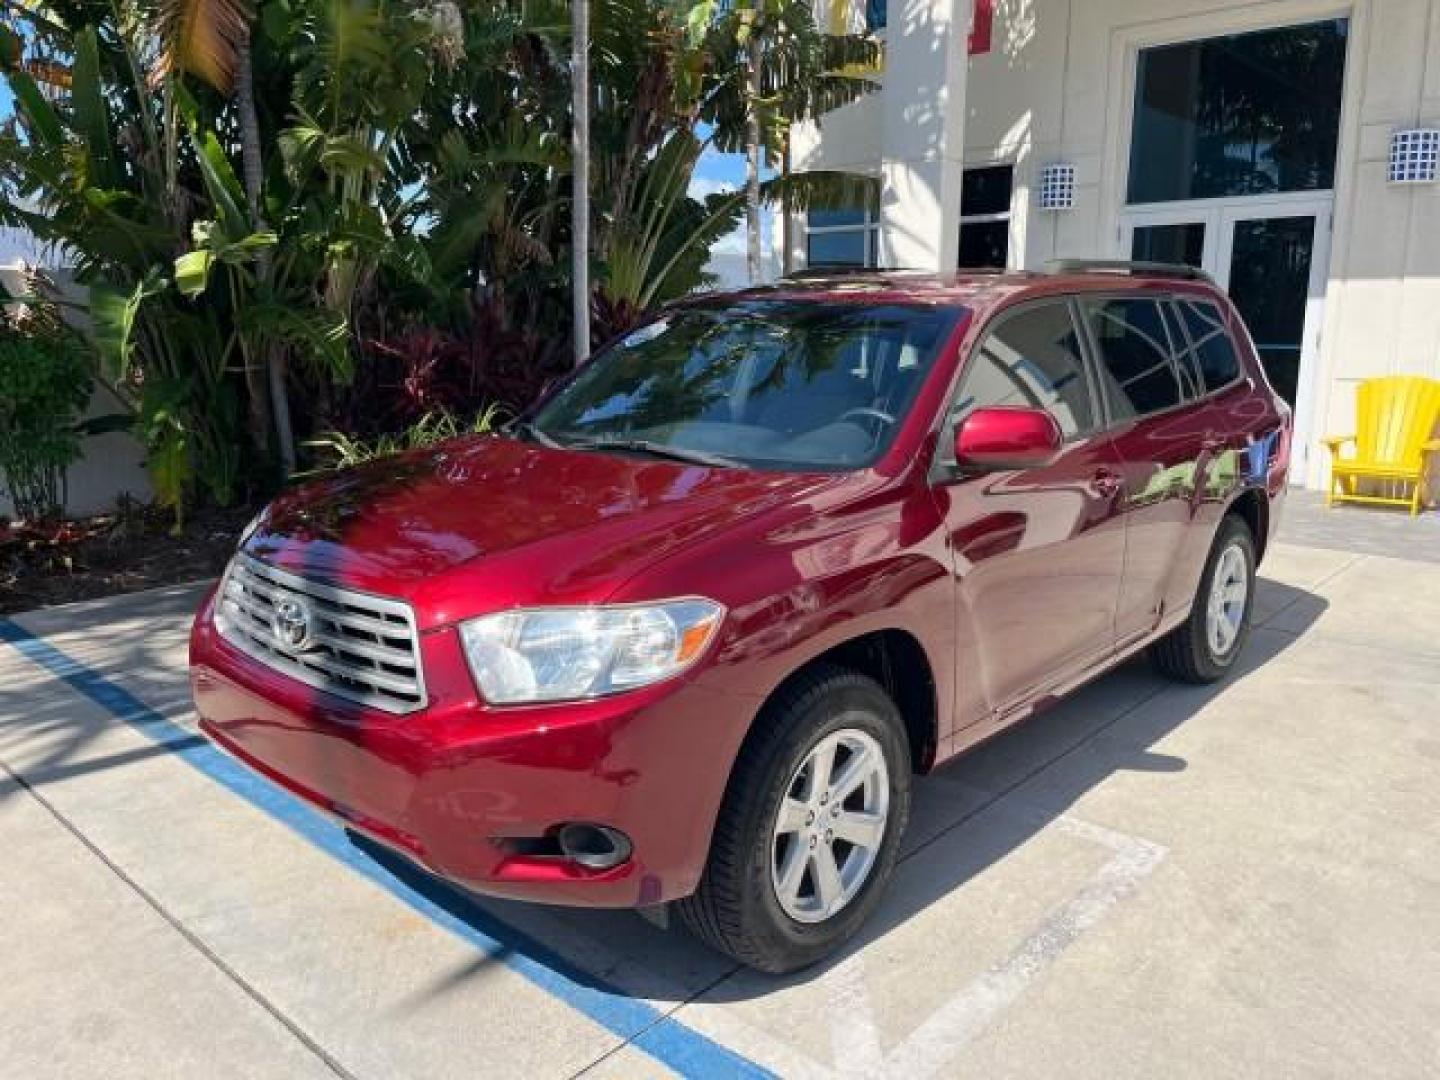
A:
(1213, 349)
(1032, 359)
(1134, 355)
(1191, 383)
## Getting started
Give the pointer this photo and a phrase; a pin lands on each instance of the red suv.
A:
(684, 632)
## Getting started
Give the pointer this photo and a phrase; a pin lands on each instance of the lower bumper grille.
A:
(357, 646)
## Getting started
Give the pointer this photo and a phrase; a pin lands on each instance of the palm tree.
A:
(754, 58)
(361, 72)
(776, 67)
(580, 177)
(210, 39)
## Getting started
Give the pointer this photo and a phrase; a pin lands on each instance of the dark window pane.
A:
(1134, 355)
(984, 244)
(829, 219)
(1031, 360)
(1269, 284)
(1182, 244)
(987, 191)
(1240, 115)
(875, 15)
(837, 248)
(1192, 385)
(1213, 349)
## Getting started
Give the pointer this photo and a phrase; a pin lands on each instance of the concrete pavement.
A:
(1232, 881)
(1367, 530)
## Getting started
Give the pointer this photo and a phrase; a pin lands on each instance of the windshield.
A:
(762, 383)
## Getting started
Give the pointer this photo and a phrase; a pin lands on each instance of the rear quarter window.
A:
(1211, 344)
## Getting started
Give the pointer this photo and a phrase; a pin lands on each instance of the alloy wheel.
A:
(1229, 590)
(830, 826)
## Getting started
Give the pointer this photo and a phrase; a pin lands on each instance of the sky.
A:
(717, 172)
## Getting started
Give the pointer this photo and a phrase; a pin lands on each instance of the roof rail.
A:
(1131, 268)
(818, 273)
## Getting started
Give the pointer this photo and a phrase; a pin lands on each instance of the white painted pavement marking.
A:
(855, 1040)
(967, 1015)
(854, 1035)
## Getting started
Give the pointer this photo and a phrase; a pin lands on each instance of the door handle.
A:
(1105, 483)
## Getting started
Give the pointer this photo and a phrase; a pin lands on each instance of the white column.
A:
(926, 58)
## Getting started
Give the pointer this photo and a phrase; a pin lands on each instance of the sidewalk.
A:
(1148, 880)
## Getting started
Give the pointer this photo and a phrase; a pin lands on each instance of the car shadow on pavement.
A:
(981, 807)
(51, 741)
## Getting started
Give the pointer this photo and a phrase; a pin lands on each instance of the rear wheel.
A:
(810, 827)
(1204, 647)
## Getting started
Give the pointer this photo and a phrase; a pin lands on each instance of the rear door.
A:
(1038, 552)
(1166, 436)
(1247, 446)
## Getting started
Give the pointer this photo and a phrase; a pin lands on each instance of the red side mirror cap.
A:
(1007, 439)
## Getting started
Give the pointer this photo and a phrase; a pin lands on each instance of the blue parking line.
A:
(666, 1040)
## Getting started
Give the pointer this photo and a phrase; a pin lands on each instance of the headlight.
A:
(565, 654)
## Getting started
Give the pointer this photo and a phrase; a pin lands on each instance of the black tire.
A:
(736, 909)
(1186, 654)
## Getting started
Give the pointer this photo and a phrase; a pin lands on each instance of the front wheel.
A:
(1204, 647)
(810, 827)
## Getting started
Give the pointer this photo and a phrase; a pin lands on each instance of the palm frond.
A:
(320, 336)
(823, 189)
(113, 315)
(89, 114)
(202, 38)
(39, 115)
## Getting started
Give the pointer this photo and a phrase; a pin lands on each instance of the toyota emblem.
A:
(291, 623)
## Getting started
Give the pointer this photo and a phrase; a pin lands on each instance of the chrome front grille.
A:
(356, 646)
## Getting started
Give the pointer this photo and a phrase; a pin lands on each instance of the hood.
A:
(488, 523)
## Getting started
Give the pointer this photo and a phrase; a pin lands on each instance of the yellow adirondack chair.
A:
(1395, 419)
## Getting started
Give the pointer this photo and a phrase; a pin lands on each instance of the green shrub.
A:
(338, 450)
(44, 387)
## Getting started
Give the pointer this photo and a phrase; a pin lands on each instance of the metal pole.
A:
(580, 175)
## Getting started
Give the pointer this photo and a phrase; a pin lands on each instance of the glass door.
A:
(1270, 254)
(1186, 237)
(1272, 260)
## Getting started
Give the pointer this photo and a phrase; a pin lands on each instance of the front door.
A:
(1037, 553)
(1270, 254)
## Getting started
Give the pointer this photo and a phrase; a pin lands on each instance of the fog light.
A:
(595, 847)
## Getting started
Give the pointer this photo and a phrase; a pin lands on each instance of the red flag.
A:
(982, 27)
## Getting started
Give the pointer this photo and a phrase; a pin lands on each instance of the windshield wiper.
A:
(528, 430)
(656, 449)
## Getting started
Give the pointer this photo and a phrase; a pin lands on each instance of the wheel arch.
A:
(896, 660)
(1253, 507)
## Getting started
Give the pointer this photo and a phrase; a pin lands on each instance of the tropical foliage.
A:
(44, 387)
(320, 215)
(338, 450)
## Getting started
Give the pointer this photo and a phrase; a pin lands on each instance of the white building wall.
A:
(1058, 85)
(1383, 302)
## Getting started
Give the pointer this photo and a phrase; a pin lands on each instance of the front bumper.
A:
(472, 792)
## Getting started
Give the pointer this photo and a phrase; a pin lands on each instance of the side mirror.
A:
(1007, 439)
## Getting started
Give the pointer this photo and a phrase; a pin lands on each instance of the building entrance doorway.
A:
(1232, 169)
(1270, 255)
